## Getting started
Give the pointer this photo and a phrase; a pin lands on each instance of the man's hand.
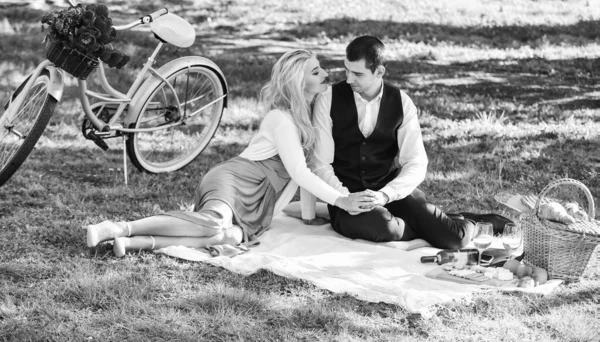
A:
(364, 201)
(356, 203)
(379, 198)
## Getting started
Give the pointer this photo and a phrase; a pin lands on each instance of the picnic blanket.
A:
(375, 272)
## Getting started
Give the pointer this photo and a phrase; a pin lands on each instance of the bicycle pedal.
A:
(101, 144)
(97, 140)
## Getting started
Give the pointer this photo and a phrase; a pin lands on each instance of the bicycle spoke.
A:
(194, 100)
(17, 133)
(200, 89)
(206, 106)
(24, 118)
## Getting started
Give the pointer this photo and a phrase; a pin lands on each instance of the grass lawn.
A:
(508, 94)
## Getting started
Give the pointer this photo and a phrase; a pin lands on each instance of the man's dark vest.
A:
(365, 163)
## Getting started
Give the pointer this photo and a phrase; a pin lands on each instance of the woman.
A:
(235, 200)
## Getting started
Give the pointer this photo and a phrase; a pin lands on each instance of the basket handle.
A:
(563, 181)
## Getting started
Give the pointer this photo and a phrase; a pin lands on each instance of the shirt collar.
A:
(377, 98)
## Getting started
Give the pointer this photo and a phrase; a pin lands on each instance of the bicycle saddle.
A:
(173, 29)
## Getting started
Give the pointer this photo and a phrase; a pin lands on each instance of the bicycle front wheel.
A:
(20, 131)
(198, 113)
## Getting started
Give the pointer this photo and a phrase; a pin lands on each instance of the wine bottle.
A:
(459, 256)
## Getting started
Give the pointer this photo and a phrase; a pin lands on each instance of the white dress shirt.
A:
(412, 157)
(367, 112)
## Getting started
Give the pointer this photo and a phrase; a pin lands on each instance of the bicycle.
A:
(167, 117)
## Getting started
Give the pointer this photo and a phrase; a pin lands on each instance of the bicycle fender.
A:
(152, 82)
(56, 85)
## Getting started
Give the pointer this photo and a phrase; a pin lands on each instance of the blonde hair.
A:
(285, 91)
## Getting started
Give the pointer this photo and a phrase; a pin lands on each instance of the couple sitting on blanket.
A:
(363, 141)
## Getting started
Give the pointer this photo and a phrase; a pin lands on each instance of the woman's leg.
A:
(122, 245)
(214, 216)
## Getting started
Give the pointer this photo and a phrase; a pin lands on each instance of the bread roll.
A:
(574, 210)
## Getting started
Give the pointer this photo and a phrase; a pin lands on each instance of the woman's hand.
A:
(356, 203)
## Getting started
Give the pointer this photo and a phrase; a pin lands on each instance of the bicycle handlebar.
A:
(150, 17)
(141, 21)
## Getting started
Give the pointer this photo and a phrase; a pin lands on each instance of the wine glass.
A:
(484, 233)
(511, 238)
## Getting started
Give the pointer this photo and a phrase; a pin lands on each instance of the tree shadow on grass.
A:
(568, 84)
(57, 177)
(528, 87)
(460, 172)
(247, 62)
(16, 272)
(528, 81)
(508, 36)
(249, 308)
(540, 87)
(580, 293)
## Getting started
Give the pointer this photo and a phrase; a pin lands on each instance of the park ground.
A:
(508, 96)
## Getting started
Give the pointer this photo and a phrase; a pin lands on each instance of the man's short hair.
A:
(369, 48)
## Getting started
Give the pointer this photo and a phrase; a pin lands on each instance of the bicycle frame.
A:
(118, 98)
(124, 100)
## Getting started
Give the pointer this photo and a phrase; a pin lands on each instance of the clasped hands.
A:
(362, 202)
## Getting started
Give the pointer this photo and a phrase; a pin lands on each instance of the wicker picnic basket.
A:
(70, 60)
(564, 250)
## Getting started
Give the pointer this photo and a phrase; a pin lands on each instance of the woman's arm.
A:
(287, 143)
(325, 146)
(286, 140)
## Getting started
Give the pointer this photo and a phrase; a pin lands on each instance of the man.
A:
(370, 140)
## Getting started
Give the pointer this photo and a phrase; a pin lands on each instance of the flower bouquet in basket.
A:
(78, 36)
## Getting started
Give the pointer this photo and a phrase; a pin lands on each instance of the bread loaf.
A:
(555, 212)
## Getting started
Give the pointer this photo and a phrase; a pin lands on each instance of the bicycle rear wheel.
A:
(197, 88)
(20, 132)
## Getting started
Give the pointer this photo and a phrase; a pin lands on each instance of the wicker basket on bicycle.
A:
(70, 60)
(79, 37)
(565, 250)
